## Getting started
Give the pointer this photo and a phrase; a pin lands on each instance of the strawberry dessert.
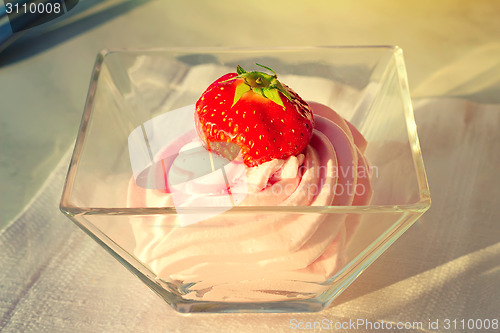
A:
(263, 145)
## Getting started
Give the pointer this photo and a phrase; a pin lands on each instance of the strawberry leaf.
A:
(273, 94)
(240, 70)
(239, 91)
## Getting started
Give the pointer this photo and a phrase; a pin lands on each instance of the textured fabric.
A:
(54, 278)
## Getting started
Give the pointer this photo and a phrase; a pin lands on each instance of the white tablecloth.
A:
(54, 278)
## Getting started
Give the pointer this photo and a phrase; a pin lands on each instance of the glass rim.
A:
(230, 49)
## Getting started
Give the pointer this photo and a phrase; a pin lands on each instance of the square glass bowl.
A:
(225, 257)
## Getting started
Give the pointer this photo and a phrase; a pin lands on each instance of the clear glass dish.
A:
(131, 89)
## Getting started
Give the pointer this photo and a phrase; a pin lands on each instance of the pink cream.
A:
(216, 252)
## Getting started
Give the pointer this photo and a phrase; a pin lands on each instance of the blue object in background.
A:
(87, 14)
(17, 16)
(26, 14)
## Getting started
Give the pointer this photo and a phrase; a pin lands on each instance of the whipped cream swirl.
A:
(261, 256)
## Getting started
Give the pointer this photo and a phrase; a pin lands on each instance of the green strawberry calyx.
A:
(260, 83)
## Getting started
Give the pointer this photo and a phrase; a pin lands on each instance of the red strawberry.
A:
(264, 117)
